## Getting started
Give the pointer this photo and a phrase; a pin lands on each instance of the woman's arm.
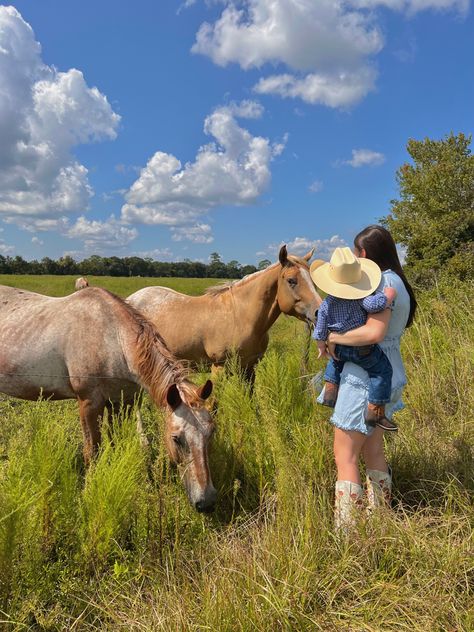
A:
(371, 333)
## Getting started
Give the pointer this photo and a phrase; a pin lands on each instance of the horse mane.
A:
(156, 366)
(216, 290)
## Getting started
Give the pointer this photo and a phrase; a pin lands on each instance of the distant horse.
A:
(94, 347)
(232, 317)
(81, 283)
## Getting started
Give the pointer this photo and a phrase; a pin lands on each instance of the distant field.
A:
(56, 285)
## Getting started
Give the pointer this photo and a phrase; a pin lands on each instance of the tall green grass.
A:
(119, 548)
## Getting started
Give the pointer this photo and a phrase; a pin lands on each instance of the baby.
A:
(351, 286)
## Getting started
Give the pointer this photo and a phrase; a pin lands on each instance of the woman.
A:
(352, 436)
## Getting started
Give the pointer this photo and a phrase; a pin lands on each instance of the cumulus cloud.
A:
(5, 249)
(364, 158)
(233, 169)
(37, 241)
(327, 46)
(199, 234)
(323, 248)
(98, 235)
(44, 113)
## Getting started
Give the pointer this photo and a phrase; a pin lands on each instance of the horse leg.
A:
(90, 412)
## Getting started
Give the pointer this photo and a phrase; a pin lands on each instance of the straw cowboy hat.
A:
(346, 276)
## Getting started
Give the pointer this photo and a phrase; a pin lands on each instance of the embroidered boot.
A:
(379, 488)
(348, 501)
(330, 394)
(375, 416)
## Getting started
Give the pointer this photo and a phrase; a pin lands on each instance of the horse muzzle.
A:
(208, 503)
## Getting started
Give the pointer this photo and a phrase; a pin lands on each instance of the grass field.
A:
(119, 548)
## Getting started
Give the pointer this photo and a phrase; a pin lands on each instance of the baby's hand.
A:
(322, 350)
(390, 293)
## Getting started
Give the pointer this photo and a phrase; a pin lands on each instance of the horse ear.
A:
(308, 255)
(173, 397)
(283, 255)
(206, 389)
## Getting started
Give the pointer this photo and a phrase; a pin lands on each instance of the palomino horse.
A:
(94, 347)
(231, 318)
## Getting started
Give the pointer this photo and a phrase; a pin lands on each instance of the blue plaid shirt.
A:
(342, 314)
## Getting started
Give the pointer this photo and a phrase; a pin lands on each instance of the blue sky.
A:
(176, 129)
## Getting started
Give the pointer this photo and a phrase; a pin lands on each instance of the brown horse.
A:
(94, 347)
(231, 318)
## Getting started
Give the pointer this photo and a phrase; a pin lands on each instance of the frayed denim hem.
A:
(353, 426)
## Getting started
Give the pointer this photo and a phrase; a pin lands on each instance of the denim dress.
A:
(352, 399)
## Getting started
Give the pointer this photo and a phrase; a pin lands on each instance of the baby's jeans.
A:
(373, 360)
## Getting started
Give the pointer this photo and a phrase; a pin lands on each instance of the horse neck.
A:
(258, 296)
(156, 368)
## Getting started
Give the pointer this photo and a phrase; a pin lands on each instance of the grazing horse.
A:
(81, 283)
(234, 317)
(94, 347)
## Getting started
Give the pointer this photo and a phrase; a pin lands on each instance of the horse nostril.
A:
(204, 507)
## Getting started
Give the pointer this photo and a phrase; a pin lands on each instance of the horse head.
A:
(189, 429)
(297, 295)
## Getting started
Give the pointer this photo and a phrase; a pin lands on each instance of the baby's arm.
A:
(321, 330)
(378, 301)
(391, 294)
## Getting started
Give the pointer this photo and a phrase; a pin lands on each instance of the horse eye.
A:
(292, 281)
(177, 439)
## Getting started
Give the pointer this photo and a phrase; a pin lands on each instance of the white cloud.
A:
(101, 235)
(199, 234)
(326, 47)
(414, 6)
(316, 186)
(340, 89)
(44, 113)
(5, 249)
(37, 241)
(156, 253)
(234, 170)
(364, 158)
(323, 248)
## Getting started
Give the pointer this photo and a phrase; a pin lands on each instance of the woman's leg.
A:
(348, 445)
(348, 498)
(373, 451)
(379, 479)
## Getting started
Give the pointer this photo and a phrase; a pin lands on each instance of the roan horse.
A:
(231, 318)
(94, 347)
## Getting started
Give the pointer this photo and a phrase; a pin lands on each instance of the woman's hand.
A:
(371, 333)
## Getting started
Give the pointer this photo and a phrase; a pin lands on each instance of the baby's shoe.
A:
(330, 394)
(375, 416)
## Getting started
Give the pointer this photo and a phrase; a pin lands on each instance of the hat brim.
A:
(368, 283)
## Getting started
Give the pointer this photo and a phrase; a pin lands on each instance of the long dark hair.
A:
(379, 246)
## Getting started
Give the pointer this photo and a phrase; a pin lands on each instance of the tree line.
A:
(129, 266)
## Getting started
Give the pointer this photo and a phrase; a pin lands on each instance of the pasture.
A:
(119, 547)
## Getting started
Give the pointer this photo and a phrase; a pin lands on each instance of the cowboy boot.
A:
(330, 394)
(379, 488)
(348, 501)
(375, 416)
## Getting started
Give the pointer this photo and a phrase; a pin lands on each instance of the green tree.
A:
(264, 263)
(434, 217)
